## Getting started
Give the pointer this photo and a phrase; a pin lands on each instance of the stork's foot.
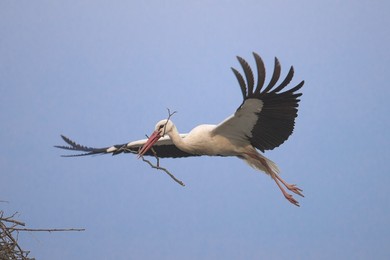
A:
(295, 189)
(291, 187)
(275, 176)
(291, 199)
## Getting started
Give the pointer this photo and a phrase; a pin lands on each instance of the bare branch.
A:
(11, 220)
(9, 247)
(157, 167)
(49, 229)
(169, 116)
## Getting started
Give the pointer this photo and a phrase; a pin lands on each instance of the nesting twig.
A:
(9, 247)
(169, 116)
(48, 229)
(158, 167)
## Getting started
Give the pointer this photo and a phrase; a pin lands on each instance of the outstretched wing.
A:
(266, 117)
(163, 148)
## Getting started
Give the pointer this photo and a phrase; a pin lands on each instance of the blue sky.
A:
(104, 72)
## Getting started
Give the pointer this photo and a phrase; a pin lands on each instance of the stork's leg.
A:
(275, 176)
(288, 196)
(292, 187)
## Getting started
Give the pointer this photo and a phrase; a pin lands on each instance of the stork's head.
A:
(162, 128)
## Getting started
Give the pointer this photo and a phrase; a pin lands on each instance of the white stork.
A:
(264, 121)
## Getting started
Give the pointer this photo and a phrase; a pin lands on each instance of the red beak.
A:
(151, 141)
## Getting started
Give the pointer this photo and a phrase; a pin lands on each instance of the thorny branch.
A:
(9, 247)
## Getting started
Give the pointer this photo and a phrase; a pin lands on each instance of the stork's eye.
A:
(160, 127)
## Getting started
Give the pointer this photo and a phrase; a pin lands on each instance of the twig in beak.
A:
(158, 167)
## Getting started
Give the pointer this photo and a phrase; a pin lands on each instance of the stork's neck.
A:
(177, 140)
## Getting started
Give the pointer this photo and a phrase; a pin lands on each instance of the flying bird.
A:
(263, 121)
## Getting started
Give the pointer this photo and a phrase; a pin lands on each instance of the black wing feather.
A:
(260, 72)
(276, 118)
(275, 76)
(248, 74)
(241, 82)
(285, 82)
(162, 151)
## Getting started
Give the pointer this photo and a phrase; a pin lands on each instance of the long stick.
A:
(48, 229)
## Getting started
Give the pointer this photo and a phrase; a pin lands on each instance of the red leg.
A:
(278, 179)
(292, 187)
(288, 196)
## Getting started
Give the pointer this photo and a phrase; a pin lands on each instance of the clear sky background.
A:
(104, 72)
